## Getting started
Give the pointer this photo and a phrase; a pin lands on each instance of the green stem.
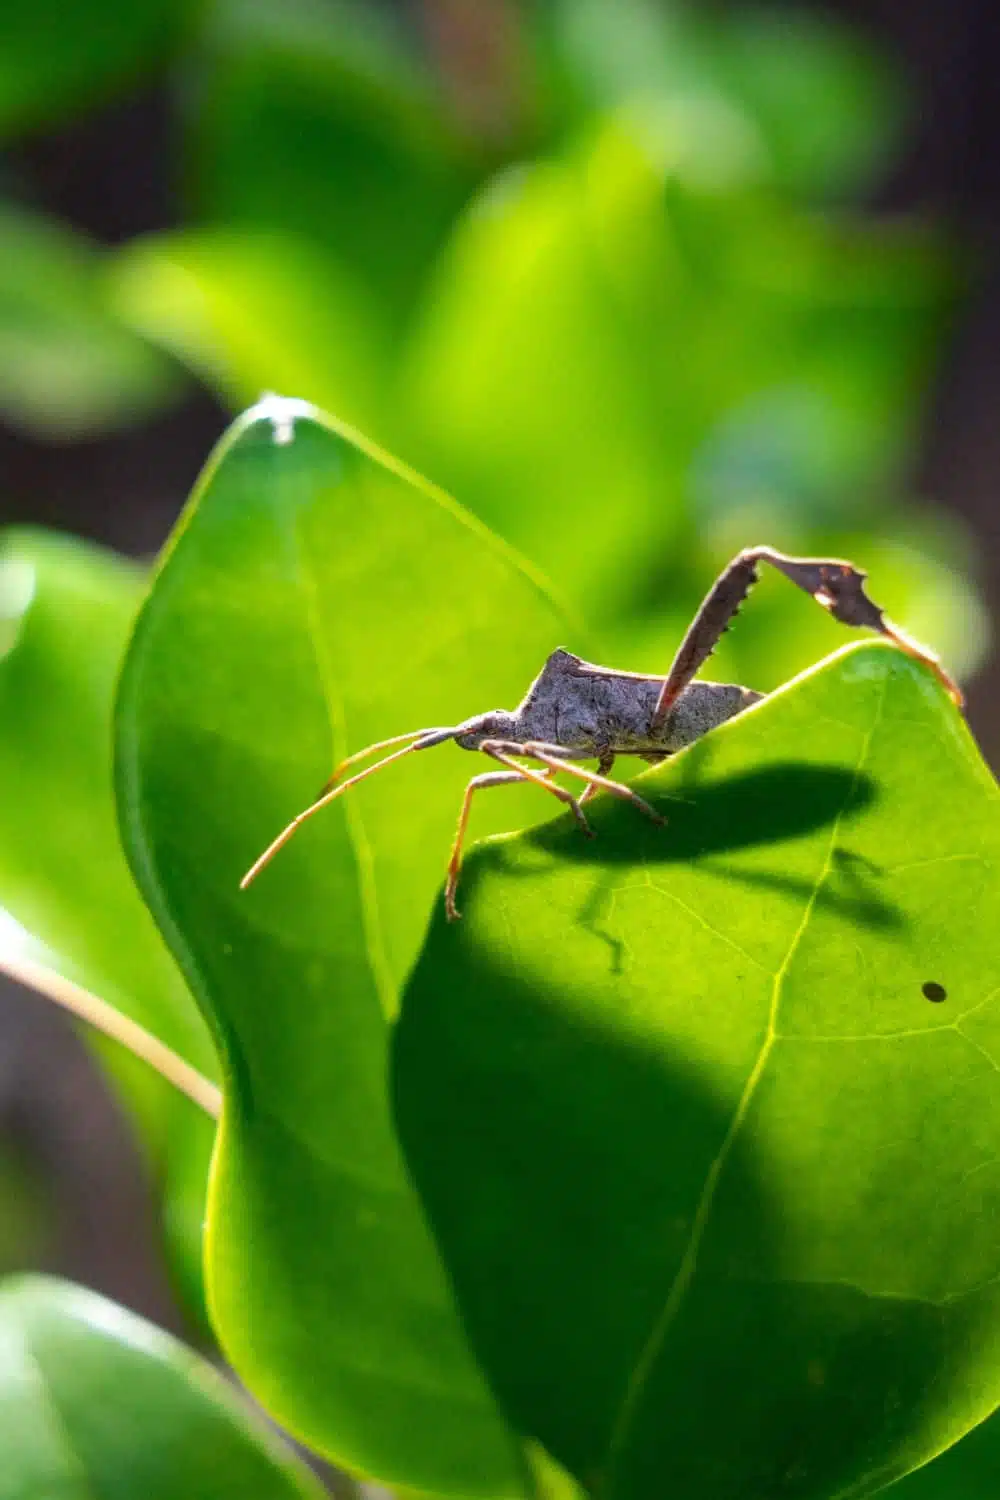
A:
(104, 1017)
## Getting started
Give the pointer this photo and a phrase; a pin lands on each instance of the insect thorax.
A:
(590, 710)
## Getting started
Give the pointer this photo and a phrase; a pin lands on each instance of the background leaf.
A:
(604, 365)
(258, 311)
(813, 105)
(95, 1401)
(715, 1181)
(68, 366)
(66, 610)
(286, 97)
(317, 597)
(608, 367)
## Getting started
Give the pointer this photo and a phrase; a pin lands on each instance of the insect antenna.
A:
(420, 739)
(352, 760)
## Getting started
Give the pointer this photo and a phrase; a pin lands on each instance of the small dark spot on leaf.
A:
(934, 991)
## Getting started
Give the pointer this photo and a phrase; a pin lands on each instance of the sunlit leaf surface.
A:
(970, 1470)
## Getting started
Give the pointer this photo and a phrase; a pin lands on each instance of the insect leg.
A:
(837, 586)
(502, 750)
(604, 764)
(489, 778)
(550, 755)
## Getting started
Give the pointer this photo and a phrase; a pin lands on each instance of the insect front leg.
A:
(489, 778)
(515, 774)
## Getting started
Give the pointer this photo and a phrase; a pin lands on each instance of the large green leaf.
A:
(97, 1402)
(66, 610)
(318, 597)
(711, 1160)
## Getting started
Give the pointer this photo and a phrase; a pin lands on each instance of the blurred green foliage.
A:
(601, 269)
(594, 268)
(66, 368)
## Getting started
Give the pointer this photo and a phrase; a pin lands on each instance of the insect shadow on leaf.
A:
(766, 806)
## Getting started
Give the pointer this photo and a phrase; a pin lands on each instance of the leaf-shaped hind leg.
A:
(836, 585)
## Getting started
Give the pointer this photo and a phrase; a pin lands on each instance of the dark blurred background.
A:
(115, 162)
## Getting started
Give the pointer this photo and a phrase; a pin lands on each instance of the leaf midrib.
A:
(336, 717)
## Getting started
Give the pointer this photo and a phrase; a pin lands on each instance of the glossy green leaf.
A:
(711, 1161)
(97, 1402)
(66, 610)
(57, 57)
(68, 366)
(318, 597)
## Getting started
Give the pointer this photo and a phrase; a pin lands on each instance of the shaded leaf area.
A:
(95, 1401)
(318, 597)
(68, 366)
(970, 1470)
(716, 1183)
(66, 610)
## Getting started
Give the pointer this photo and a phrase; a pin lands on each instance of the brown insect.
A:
(576, 711)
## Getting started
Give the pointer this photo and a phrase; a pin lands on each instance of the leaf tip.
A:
(282, 413)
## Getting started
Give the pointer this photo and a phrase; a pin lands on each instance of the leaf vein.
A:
(363, 857)
(686, 1270)
(722, 937)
